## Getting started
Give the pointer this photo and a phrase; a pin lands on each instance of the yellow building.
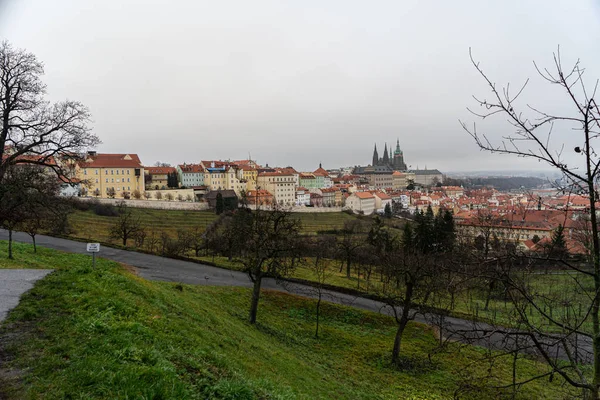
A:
(280, 184)
(111, 175)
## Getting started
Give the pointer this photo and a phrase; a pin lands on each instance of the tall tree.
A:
(220, 205)
(33, 130)
(271, 249)
(534, 137)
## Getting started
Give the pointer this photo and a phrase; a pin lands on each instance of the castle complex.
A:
(394, 162)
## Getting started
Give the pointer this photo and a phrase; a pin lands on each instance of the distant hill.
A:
(499, 183)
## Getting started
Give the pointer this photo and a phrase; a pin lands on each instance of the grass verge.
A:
(105, 333)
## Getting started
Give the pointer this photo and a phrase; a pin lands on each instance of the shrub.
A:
(106, 210)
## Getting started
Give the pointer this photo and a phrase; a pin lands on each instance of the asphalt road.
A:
(15, 282)
(165, 269)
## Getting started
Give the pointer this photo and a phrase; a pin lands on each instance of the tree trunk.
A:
(596, 248)
(403, 321)
(34, 244)
(10, 254)
(489, 294)
(398, 339)
(124, 241)
(348, 266)
(318, 314)
(255, 298)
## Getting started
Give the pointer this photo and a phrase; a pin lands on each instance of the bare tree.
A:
(33, 130)
(25, 198)
(270, 247)
(126, 226)
(321, 248)
(349, 244)
(538, 135)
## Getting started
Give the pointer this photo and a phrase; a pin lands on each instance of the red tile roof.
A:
(159, 170)
(321, 172)
(112, 161)
(363, 195)
(191, 168)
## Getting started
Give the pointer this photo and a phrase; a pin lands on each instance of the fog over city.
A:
(302, 82)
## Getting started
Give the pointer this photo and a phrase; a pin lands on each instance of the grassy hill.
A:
(106, 333)
(88, 225)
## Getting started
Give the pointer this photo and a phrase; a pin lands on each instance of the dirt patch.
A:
(10, 378)
(130, 268)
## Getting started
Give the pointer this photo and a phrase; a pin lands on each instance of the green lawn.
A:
(105, 333)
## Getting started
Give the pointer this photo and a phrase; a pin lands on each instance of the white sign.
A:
(93, 247)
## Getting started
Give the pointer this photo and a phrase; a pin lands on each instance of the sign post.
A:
(93, 248)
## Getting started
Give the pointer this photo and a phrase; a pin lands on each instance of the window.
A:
(128, 179)
(112, 171)
(112, 180)
(96, 180)
(106, 180)
(123, 172)
(127, 172)
(85, 171)
(96, 172)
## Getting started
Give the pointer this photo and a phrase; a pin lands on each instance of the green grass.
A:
(105, 333)
(89, 226)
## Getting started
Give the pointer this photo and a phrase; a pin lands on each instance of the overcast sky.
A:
(299, 82)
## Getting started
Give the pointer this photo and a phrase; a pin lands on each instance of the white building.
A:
(302, 196)
(361, 202)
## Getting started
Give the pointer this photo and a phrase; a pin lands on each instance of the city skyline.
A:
(298, 84)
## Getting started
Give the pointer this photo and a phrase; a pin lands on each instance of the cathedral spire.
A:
(386, 157)
(375, 156)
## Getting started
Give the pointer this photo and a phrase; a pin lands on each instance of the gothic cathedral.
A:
(395, 162)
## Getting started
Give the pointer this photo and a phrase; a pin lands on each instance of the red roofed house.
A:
(361, 202)
(280, 184)
(260, 197)
(191, 175)
(111, 175)
(158, 177)
(381, 200)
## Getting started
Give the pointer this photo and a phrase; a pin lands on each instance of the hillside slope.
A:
(106, 333)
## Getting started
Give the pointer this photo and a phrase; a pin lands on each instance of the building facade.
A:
(111, 175)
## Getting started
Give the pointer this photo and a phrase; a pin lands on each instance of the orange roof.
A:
(383, 196)
(191, 168)
(363, 195)
(321, 172)
(160, 170)
(101, 160)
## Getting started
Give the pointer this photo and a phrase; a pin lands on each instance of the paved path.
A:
(15, 282)
(166, 269)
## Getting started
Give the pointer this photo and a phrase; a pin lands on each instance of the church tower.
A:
(386, 157)
(398, 161)
(375, 156)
